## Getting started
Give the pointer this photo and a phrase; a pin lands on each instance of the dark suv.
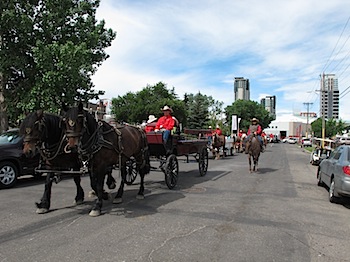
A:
(13, 163)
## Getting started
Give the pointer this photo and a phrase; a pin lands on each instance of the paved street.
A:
(276, 214)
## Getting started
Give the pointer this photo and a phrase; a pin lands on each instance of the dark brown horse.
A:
(253, 149)
(104, 147)
(42, 132)
(217, 143)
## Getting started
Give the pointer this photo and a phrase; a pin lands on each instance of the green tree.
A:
(198, 110)
(136, 107)
(246, 110)
(332, 127)
(57, 46)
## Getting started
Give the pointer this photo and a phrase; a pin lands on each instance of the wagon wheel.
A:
(131, 171)
(203, 161)
(171, 171)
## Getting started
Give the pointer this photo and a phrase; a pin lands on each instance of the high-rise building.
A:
(241, 89)
(329, 99)
(269, 103)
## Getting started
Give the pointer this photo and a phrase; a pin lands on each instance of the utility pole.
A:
(323, 111)
(307, 118)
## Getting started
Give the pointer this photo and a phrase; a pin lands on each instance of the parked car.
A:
(334, 172)
(318, 154)
(306, 142)
(342, 141)
(292, 140)
(13, 163)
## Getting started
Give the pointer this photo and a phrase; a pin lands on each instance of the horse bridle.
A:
(41, 129)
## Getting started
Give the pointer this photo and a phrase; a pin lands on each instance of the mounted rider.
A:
(255, 129)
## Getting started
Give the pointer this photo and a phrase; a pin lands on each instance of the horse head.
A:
(77, 124)
(33, 131)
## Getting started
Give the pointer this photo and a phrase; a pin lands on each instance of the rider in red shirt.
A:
(165, 123)
(218, 131)
(255, 129)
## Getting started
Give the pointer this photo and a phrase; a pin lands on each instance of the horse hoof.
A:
(95, 213)
(78, 202)
(141, 197)
(42, 210)
(92, 194)
(118, 200)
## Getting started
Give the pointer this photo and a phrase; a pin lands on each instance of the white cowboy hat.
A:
(151, 118)
(166, 108)
(254, 119)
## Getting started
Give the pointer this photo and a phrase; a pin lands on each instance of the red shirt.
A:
(166, 122)
(258, 131)
(150, 127)
(218, 131)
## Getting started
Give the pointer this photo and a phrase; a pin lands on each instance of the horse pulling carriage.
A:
(179, 147)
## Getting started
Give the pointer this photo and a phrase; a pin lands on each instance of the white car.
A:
(291, 140)
(306, 142)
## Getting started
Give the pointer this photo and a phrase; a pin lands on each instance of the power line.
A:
(326, 65)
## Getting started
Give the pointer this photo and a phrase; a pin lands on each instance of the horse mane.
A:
(255, 146)
(52, 132)
(53, 125)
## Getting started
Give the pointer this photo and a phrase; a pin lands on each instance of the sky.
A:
(193, 46)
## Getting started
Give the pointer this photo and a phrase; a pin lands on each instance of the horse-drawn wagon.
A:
(180, 146)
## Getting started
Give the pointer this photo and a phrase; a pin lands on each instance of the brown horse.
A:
(42, 132)
(239, 145)
(103, 147)
(253, 149)
(217, 143)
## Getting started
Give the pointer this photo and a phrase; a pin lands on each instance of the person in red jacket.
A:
(255, 129)
(217, 131)
(165, 123)
(151, 125)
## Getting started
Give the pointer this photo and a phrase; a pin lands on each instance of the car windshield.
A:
(9, 137)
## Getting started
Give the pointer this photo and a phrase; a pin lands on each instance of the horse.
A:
(253, 149)
(217, 143)
(43, 132)
(239, 144)
(104, 147)
(264, 138)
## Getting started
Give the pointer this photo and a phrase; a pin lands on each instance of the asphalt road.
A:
(276, 214)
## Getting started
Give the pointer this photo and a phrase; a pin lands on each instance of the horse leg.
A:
(119, 197)
(98, 184)
(79, 198)
(250, 164)
(110, 180)
(140, 194)
(44, 205)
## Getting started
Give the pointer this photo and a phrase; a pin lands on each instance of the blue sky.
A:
(281, 46)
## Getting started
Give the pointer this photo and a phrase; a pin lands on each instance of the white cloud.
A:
(281, 46)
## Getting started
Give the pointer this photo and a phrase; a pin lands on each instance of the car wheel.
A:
(319, 179)
(332, 197)
(8, 174)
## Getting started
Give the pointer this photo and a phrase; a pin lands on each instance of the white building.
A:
(289, 125)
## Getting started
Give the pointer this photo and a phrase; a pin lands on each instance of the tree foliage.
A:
(332, 127)
(198, 110)
(246, 110)
(57, 46)
(136, 107)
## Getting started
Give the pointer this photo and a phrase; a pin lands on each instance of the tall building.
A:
(269, 103)
(241, 89)
(329, 99)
